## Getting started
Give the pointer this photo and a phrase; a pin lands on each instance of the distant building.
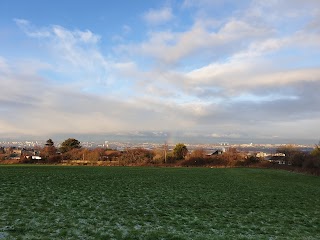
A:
(279, 158)
(262, 155)
(224, 144)
(13, 150)
(34, 157)
(216, 152)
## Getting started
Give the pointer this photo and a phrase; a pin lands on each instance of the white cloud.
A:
(171, 47)
(31, 30)
(205, 3)
(57, 31)
(158, 16)
(76, 47)
(236, 29)
(245, 75)
(63, 34)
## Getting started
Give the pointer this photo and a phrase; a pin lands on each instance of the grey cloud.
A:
(55, 109)
(303, 106)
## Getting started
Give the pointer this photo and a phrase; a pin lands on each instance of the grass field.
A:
(55, 202)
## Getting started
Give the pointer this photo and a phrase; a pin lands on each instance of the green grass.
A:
(55, 202)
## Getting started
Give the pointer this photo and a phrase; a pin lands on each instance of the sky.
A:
(221, 69)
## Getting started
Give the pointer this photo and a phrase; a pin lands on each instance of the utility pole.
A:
(165, 148)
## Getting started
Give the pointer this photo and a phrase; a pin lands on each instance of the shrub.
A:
(136, 156)
(180, 151)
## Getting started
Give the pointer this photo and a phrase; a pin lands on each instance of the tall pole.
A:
(165, 151)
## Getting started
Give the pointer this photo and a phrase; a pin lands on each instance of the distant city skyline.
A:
(161, 138)
(207, 71)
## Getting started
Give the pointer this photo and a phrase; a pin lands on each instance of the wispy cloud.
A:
(31, 30)
(158, 16)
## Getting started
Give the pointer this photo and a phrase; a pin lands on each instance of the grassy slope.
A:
(40, 202)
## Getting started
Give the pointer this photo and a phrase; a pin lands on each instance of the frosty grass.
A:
(56, 202)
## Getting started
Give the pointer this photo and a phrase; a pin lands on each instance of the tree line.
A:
(71, 150)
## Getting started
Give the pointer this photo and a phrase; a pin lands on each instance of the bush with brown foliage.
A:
(3, 156)
(248, 161)
(111, 155)
(73, 154)
(136, 156)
